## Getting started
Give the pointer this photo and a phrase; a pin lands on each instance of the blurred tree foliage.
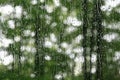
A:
(50, 39)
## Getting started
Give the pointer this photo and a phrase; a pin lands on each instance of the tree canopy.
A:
(59, 40)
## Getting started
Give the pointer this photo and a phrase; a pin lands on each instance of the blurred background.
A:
(44, 39)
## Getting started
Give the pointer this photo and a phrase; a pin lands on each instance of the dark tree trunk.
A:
(39, 40)
(98, 24)
(85, 27)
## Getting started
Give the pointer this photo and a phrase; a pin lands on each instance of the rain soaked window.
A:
(59, 39)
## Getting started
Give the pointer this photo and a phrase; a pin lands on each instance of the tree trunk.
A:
(39, 40)
(98, 24)
(85, 27)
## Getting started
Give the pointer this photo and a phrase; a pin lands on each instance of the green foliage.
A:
(37, 20)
